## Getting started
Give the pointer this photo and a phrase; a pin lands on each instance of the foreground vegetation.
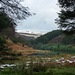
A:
(52, 71)
(45, 65)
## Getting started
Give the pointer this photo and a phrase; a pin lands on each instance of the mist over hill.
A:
(32, 32)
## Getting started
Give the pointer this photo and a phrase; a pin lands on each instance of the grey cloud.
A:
(45, 14)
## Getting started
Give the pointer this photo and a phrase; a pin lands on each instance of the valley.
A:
(47, 54)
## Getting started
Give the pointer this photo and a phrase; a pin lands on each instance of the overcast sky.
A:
(44, 20)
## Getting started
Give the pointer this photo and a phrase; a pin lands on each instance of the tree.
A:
(66, 17)
(6, 22)
(9, 32)
(2, 42)
(14, 9)
(10, 11)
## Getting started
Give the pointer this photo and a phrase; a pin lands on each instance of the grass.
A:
(57, 71)
(9, 72)
(49, 71)
(64, 71)
(41, 66)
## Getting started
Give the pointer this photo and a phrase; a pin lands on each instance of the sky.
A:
(44, 20)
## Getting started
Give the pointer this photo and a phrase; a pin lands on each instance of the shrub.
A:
(15, 40)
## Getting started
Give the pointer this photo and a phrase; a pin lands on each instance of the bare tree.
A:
(14, 9)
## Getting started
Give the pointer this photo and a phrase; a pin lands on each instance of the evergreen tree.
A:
(6, 22)
(66, 17)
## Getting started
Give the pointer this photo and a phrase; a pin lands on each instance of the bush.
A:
(39, 68)
(20, 40)
(15, 40)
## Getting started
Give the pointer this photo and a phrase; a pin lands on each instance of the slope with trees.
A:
(69, 40)
(10, 12)
(44, 39)
(57, 42)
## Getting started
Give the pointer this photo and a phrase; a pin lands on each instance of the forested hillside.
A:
(55, 41)
(44, 39)
(8, 41)
(69, 40)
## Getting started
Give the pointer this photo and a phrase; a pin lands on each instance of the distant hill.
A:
(27, 36)
(57, 40)
(63, 39)
(44, 39)
(52, 40)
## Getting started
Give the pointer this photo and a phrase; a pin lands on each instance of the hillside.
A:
(63, 39)
(57, 40)
(54, 37)
(27, 36)
(30, 35)
(44, 39)
(18, 47)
